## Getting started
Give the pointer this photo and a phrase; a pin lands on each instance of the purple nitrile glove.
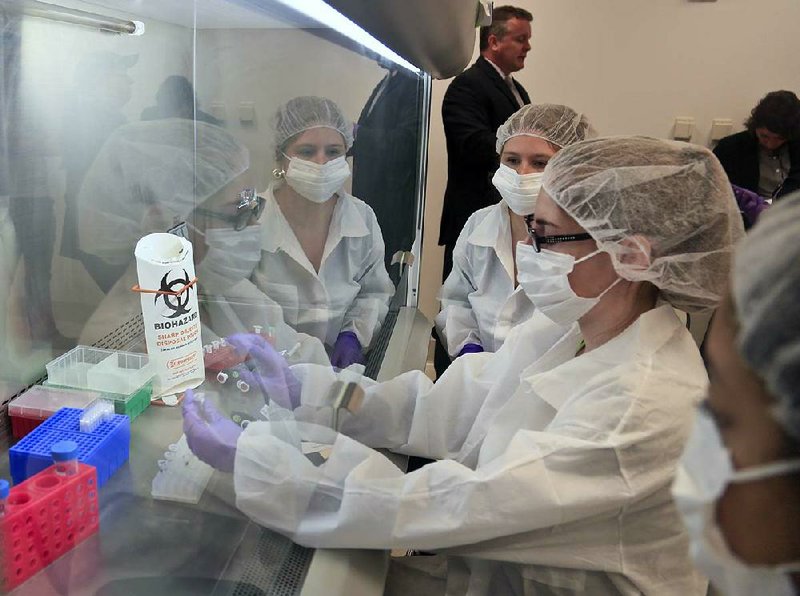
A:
(470, 349)
(751, 204)
(271, 374)
(347, 350)
(210, 435)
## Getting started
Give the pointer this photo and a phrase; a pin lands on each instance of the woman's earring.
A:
(278, 173)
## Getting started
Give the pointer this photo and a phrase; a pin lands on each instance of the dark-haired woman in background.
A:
(765, 158)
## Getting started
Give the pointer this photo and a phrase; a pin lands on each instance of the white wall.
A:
(632, 66)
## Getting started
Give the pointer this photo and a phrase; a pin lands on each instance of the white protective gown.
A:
(352, 289)
(480, 304)
(554, 474)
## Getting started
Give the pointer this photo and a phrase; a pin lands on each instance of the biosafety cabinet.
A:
(120, 118)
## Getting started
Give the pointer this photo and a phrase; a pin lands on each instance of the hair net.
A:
(301, 113)
(667, 198)
(766, 293)
(149, 174)
(557, 124)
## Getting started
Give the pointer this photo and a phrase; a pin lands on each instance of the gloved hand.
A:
(470, 349)
(270, 372)
(750, 204)
(347, 350)
(210, 435)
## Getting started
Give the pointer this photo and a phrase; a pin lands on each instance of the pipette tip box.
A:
(38, 403)
(126, 378)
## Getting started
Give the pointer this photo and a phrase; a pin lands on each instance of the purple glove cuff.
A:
(470, 349)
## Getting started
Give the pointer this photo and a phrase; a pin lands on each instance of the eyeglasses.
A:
(250, 206)
(537, 240)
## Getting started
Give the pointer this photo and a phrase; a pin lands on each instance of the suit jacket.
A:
(385, 159)
(738, 154)
(476, 103)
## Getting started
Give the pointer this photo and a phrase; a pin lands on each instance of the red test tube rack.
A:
(45, 516)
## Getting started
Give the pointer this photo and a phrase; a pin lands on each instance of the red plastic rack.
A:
(46, 516)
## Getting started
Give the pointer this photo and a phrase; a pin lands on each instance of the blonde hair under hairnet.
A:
(556, 124)
(302, 113)
(667, 198)
(165, 166)
(766, 296)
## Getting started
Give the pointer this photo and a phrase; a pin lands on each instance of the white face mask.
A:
(543, 277)
(232, 255)
(704, 472)
(519, 191)
(316, 182)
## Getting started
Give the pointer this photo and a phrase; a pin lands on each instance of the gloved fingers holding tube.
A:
(211, 436)
(267, 370)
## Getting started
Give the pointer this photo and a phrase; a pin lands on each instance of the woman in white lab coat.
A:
(556, 452)
(737, 486)
(322, 249)
(481, 299)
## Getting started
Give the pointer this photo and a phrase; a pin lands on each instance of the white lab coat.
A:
(554, 474)
(480, 304)
(351, 292)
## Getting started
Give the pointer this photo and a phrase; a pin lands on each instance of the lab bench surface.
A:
(147, 547)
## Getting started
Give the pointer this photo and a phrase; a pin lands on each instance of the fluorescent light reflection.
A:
(323, 13)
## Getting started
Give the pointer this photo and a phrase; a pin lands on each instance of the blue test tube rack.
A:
(106, 448)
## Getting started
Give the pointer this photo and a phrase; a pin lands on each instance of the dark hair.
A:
(500, 16)
(779, 112)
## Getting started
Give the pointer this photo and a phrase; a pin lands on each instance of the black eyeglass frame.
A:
(537, 240)
(250, 206)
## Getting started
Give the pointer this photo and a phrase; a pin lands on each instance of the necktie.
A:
(513, 87)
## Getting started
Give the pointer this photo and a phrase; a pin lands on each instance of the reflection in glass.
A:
(323, 250)
(147, 177)
(385, 156)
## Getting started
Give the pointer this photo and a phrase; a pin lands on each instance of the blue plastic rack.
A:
(106, 448)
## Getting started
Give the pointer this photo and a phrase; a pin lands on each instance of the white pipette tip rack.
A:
(181, 476)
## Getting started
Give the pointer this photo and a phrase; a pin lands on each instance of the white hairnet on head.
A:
(666, 198)
(557, 124)
(149, 174)
(302, 113)
(766, 296)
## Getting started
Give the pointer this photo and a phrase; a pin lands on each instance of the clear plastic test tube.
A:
(65, 457)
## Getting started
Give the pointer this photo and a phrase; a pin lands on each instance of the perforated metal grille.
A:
(277, 567)
(378, 349)
(125, 337)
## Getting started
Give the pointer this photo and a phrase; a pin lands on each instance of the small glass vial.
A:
(65, 457)
(4, 490)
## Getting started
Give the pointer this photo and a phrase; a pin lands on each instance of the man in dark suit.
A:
(478, 101)
(386, 158)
